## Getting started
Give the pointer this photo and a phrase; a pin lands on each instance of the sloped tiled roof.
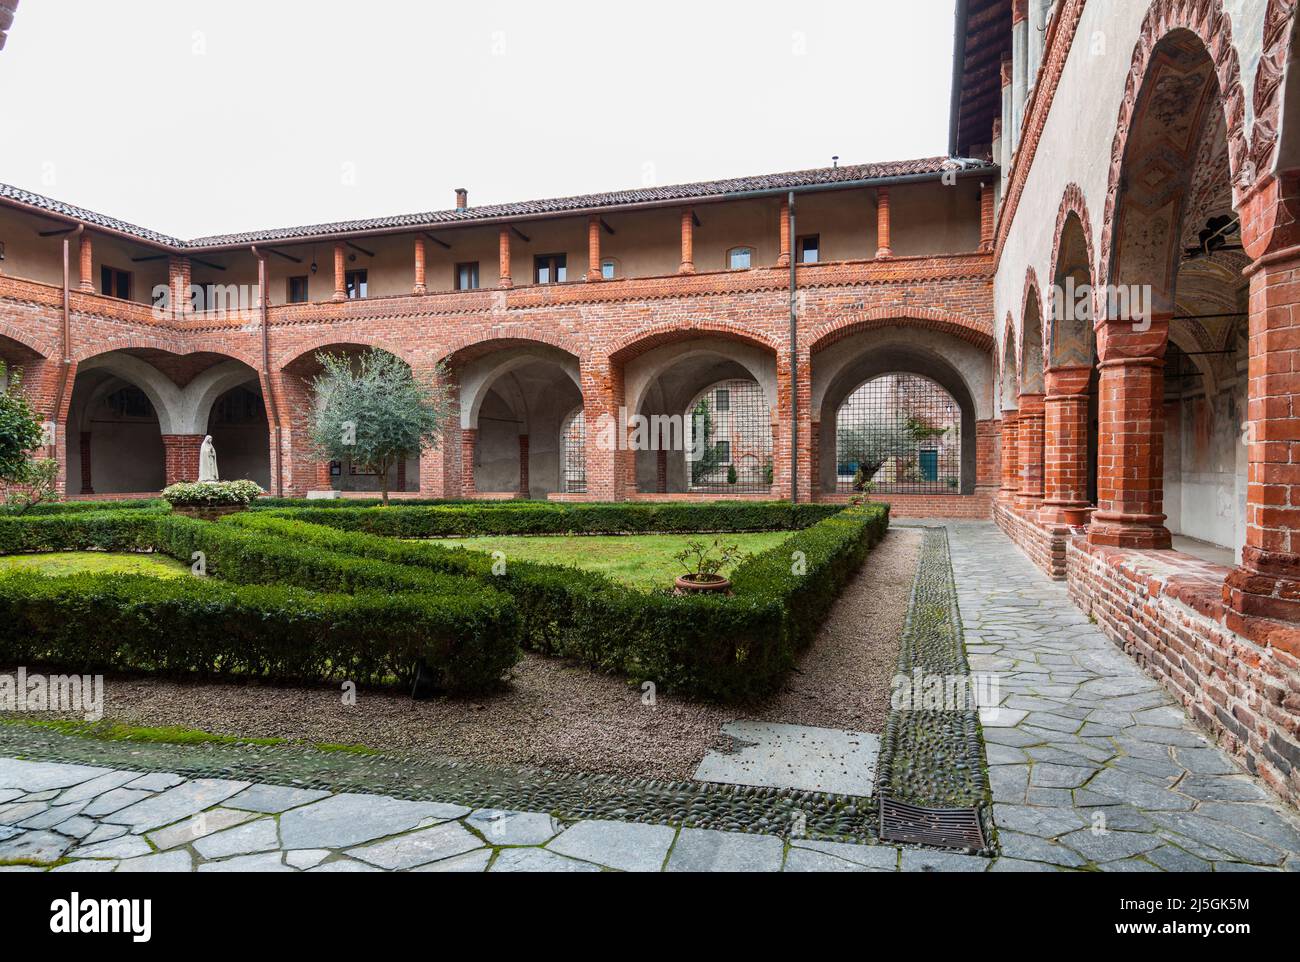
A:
(645, 196)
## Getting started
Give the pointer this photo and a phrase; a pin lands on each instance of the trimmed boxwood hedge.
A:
(541, 517)
(201, 626)
(729, 648)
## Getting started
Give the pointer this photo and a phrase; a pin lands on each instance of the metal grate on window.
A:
(573, 444)
(734, 456)
(900, 434)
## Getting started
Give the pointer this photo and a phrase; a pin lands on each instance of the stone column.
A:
(468, 442)
(87, 487)
(420, 287)
(523, 465)
(181, 456)
(1131, 428)
(1010, 457)
(1065, 446)
(784, 241)
(340, 274)
(593, 249)
(87, 263)
(688, 242)
(1029, 434)
(503, 257)
(883, 248)
(1019, 67)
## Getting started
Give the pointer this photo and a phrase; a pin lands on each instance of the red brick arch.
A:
(1212, 25)
(1072, 202)
(308, 348)
(503, 335)
(219, 347)
(648, 338)
(26, 340)
(1275, 50)
(1033, 295)
(1008, 347)
(944, 322)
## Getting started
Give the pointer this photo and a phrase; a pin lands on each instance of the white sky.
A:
(196, 118)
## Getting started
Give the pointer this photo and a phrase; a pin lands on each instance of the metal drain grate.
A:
(958, 828)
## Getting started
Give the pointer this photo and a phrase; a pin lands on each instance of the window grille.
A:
(900, 434)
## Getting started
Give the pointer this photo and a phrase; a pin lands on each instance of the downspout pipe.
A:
(65, 336)
(794, 358)
(272, 404)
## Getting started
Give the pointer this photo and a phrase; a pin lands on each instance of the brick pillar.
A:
(784, 259)
(340, 274)
(523, 465)
(987, 466)
(986, 217)
(1131, 429)
(503, 257)
(1065, 446)
(882, 223)
(688, 242)
(1029, 436)
(593, 248)
(786, 461)
(420, 287)
(324, 480)
(608, 457)
(87, 263)
(661, 471)
(181, 454)
(86, 486)
(468, 442)
(179, 279)
(1010, 457)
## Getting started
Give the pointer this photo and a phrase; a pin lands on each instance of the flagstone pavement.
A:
(1092, 766)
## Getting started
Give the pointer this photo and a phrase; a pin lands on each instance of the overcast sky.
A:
(196, 117)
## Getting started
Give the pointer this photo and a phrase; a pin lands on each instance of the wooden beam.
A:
(441, 243)
(520, 234)
(57, 233)
(605, 224)
(288, 257)
(356, 247)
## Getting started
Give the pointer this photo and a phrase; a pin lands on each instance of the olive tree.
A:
(30, 479)
(374, 410)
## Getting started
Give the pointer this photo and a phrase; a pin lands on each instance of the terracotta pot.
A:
(206, 512)
(715, 584)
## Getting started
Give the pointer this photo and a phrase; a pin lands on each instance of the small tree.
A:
(374, 410)
(34, 479)
(870, 445)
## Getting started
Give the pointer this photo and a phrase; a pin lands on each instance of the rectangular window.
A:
(356, 284)
(298, 290)
(607, 270)
(740, 258)
(810, 248)
(723, 398)
(550, 268)
(724, 452)
(467, 276)
(115, 283)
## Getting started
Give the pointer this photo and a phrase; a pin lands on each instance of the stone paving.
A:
(1091, 763)
(1092, 766)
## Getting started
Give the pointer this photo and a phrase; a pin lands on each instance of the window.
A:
(298, 290)
(607, 270)
(810, 248)
(722, 399)
(356, 284)
(740, 258)
(550, 268)
(724, 452)
(467, 276)
(115, 283)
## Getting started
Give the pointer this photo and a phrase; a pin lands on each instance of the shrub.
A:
(205, 627)
(211, 493)
(78, 531)
(73, 507)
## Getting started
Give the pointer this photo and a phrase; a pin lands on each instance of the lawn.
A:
(94, 562)
(642, 561)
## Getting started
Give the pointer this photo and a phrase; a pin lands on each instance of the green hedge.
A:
(729, 648)
(541, 517)
(79, 531)
(73, 507)
(200, 626)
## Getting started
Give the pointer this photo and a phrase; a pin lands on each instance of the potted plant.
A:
(732, 475)
(702, 563)
(210, 500)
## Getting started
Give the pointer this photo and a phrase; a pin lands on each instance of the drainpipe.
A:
(266, 369)
(66, 335)
(794, 360)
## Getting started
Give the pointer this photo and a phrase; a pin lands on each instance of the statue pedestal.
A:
(207, 512)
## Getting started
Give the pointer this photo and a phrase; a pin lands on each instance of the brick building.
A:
(1100, 280)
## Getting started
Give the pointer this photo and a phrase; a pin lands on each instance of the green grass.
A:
(94, 562)
(119, 732)
(641, 560)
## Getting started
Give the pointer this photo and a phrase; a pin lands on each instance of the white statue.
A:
(208, 461)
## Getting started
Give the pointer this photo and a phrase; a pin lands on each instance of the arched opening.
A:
(1174, 390)
(240, 434)
(523, 431)
(114, 433)
(310, 473)
(703, 408)
(901, 404)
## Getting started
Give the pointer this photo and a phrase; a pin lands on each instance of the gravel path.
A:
(560, 716)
